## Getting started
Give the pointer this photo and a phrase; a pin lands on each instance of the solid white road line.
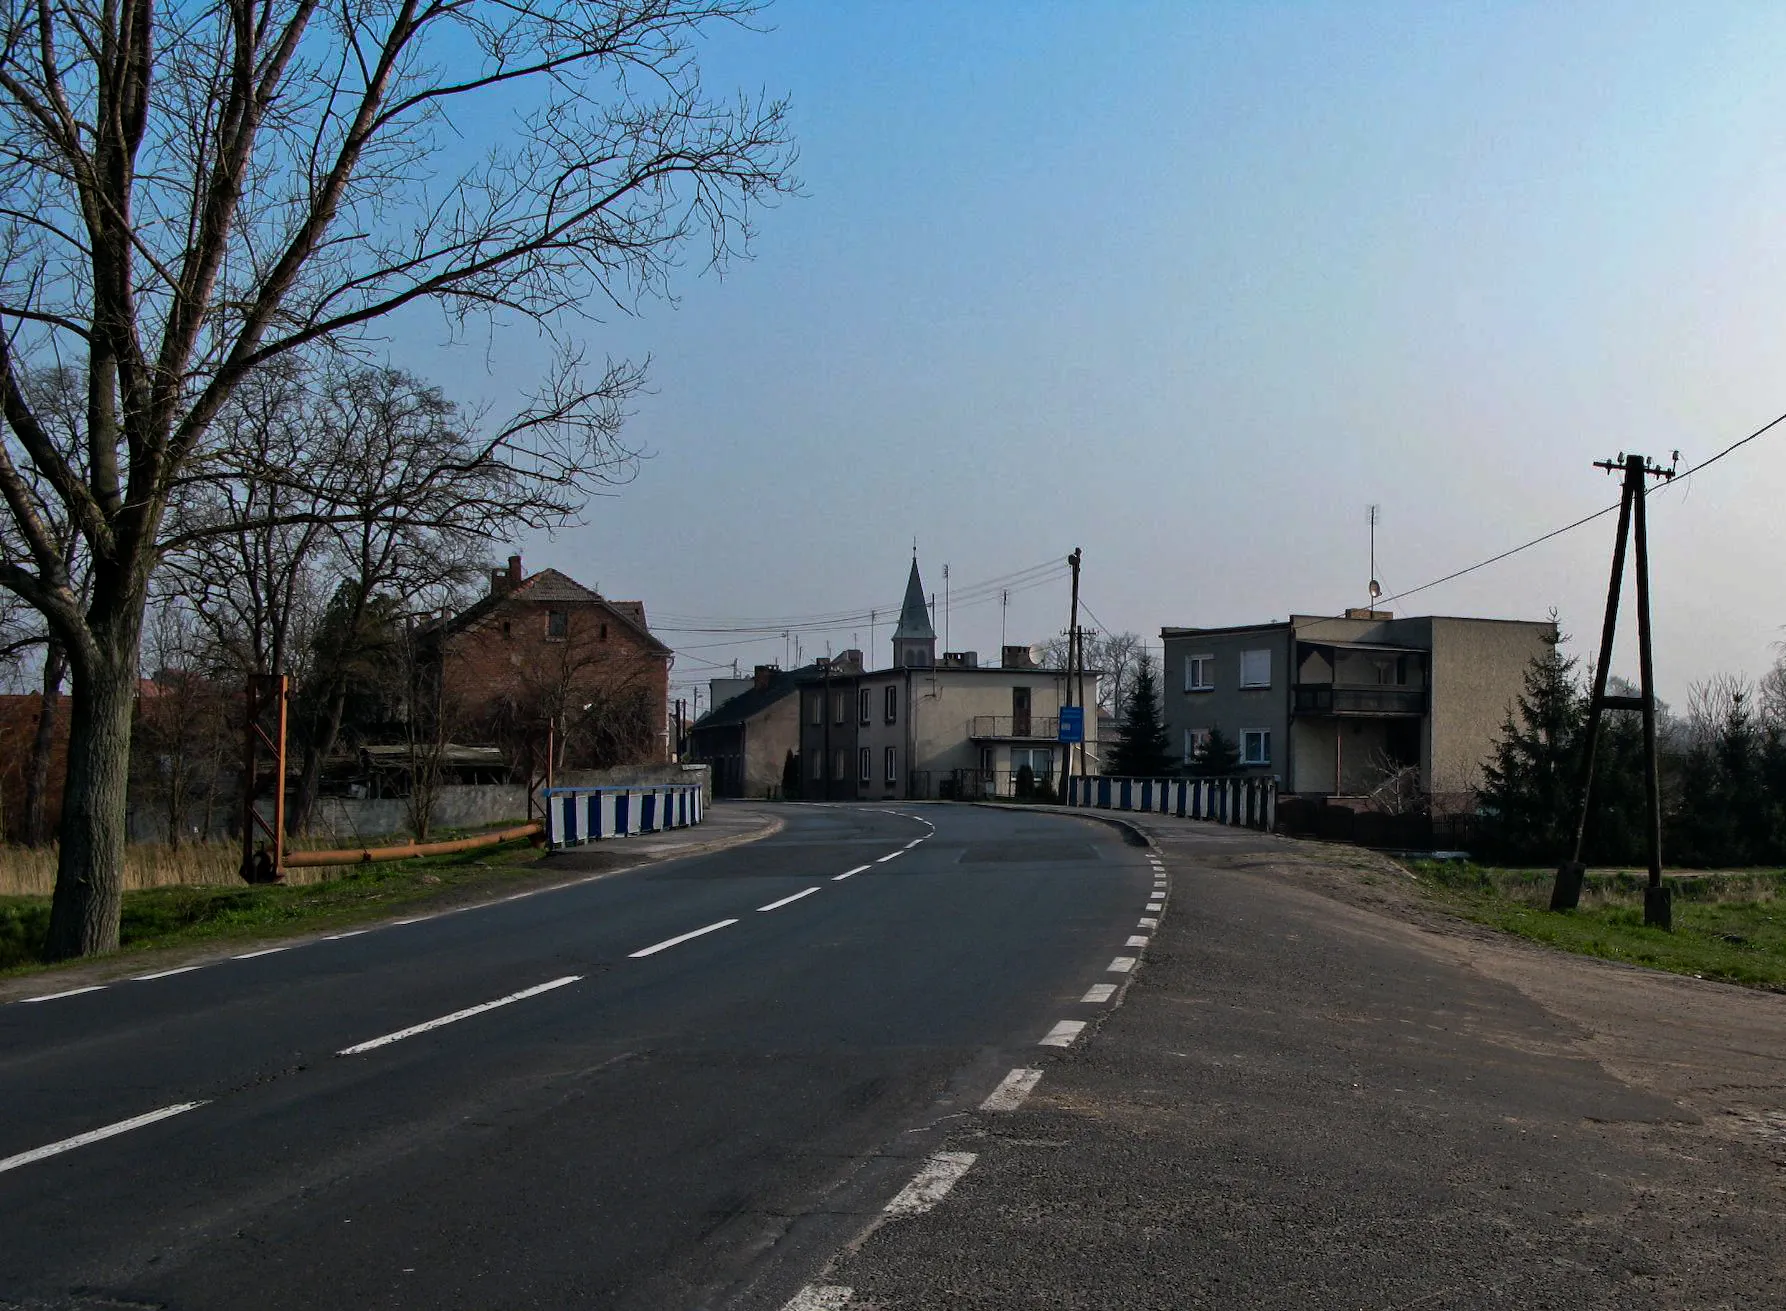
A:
(785, 901)
(1121, 965)
(820, 1297)
(1136, 940)
(680, 938)
(165, 974)
(1011, 1091)
(891, 855)
(940, 1173)
(1099, 993)
(914, 842)
(456, 1016)
(839, 878)
(71, 992)
(264, 951)
(1062, 1034)
(351, 933)
(94, 1135)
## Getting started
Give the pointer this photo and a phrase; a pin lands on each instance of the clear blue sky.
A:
(1190, 286)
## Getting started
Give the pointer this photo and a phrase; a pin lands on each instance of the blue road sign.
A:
(1072, 723)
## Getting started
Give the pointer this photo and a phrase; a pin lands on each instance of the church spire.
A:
(914, 641)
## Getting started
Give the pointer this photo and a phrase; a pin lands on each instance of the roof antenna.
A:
(1376, 588)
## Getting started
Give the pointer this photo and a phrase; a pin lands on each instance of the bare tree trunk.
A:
(84, 914)
(43, 746)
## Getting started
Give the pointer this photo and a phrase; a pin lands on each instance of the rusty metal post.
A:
(265, 704)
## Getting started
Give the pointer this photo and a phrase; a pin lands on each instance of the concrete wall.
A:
(350, 820)
(768, 737)
(1479, 668)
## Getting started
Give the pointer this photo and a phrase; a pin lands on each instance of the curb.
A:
(1142, 837)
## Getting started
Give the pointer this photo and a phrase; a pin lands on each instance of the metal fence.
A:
(576, 816)
(1246, 802)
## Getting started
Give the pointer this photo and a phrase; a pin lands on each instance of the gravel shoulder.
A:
(1323, 1090)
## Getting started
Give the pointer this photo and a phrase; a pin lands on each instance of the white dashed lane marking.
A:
(940, 1173)
(839, 878)
(1099, 993)
(1136, 940)
(71, 992)
(1062, 1034)
(1011, 1091)
(165, 974)
(777, 905)
(94, 1135)
(679, 939)
(264, 951)
(1122, 965)
(891, 855)
(1147, 923)
(456, 1016)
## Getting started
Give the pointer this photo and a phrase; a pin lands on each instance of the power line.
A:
(1586, 519)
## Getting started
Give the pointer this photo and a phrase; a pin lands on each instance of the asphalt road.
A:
(699, 1125)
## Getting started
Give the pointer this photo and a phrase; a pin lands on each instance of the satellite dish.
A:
(1376, 589)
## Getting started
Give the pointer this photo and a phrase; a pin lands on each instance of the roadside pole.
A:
(1066, 777)
(1565, 892)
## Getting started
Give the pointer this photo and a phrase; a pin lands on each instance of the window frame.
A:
(817, 719)
(1205, 670)
(864, 706)
(1247, 686)
(841, 765)
(890, 706)
(1194, 738)
(864, 765)
(840, 709)
(1264, 736)
(892, 758)
(558, 625)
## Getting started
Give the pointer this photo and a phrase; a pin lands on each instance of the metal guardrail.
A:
(576, 816)
(1240, 802)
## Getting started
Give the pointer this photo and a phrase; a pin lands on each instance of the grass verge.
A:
(193, 915)
(1728, 926)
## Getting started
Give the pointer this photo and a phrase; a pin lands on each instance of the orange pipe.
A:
(295, 859)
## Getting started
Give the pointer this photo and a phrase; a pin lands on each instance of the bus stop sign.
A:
(1072, 723)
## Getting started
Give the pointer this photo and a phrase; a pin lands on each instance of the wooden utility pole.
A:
(1565, 893)
(265, 706)
(1066, 776)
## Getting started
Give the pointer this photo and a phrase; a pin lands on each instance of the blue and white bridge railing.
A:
(1242, 802)
(576, 816)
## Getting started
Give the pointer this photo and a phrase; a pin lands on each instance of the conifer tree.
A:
(1143, 749)
(1528, 797)
(1217, 756)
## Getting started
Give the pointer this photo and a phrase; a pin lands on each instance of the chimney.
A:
(764, 674)
(499, 582)
(1017, 657)
(849, 661)
(514, 572)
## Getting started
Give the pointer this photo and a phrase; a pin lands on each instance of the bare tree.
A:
(1116, 655)
(1770, 695)
(193, 193)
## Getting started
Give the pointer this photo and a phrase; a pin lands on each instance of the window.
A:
(840, 765)
(1039, 759)
(508, 628)
(558, 624)
(1194, 738)
(818, 714)
(864, 709)
(892, 707)
(865, 765)
(840, 710)
(604, 632)
(1255, 668)
(1199, 673)
(1255, 746)
(892, 766)
(818, 766)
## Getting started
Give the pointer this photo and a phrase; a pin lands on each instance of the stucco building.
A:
(745, 739)
(931, 726)
(1334, 706)
(542, 653)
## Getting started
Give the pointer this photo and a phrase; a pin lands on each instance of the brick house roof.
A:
(547, 587)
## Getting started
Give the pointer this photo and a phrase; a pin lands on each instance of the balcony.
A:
(1013, 728)
(1372, 699)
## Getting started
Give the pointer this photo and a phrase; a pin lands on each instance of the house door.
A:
(1020, 712)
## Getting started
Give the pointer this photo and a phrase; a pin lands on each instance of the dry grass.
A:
(31, 871)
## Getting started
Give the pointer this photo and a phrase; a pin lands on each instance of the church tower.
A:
(914, 641)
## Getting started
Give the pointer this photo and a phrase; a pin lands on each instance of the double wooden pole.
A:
(1565, 893)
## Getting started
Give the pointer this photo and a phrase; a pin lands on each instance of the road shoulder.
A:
(1322, 1091)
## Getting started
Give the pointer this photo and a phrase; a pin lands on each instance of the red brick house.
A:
(544, 650)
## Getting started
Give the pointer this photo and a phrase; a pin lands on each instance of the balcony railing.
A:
(1013, 728)
(1332, 699)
